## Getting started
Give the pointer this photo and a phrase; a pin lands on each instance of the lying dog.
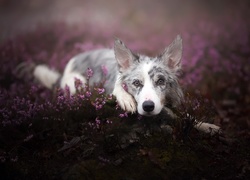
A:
(139, 83)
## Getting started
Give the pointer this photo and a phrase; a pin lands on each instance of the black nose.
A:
(148, 106)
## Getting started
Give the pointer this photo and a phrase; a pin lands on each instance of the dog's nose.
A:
(148, 106)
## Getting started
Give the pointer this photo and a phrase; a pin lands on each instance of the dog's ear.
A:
(172, 54)
(123, 55)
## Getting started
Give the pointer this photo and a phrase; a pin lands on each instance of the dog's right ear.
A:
(172, 54)
(123, 55)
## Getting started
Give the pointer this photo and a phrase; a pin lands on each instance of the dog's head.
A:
(151, 81)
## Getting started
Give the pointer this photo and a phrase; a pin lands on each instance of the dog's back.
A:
(103, 64)
(101, 61)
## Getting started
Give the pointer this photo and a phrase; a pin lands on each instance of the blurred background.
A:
(21, 16)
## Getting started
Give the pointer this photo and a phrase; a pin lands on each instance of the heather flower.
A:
(78, 84)
(81, 96)
(108, 122)
(98, 105)
(104, 70)
(96, 124)
(67, 91)
(122, 115)
(89, 73)
(124, 86)
(88, 94)
(109, 96)
(98, 121)
(100, 90)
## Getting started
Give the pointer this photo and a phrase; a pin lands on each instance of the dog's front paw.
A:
(208, 128)
(126, 102)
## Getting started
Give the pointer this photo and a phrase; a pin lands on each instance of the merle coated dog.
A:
(140, 83)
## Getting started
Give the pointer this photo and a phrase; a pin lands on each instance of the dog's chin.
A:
(148, 114)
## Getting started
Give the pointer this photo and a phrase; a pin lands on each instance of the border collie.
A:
(140, 83)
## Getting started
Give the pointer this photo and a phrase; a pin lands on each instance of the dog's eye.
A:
(160, 82)
(137, 83)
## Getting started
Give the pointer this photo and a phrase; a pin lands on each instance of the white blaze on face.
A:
(148, 93)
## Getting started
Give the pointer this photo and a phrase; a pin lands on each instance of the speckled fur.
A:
(124, 68)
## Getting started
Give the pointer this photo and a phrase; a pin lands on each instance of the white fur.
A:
(46, 76)
(68, 80)
(69, 77)
(125, 100)
(148, 93)
(207, 128)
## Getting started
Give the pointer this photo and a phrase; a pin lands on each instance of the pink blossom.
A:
(100, 90)
(88, 94)
(104, 70)
(122, 115)
(124, 86)
(90, 72)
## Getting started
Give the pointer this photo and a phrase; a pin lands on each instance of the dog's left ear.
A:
(123, 55)
(172, 54)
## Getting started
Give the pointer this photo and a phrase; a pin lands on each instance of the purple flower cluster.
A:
(89, 73)
(104, 70)
(20, 110)
(122, 115)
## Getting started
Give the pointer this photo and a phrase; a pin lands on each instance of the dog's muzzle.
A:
(148, 106)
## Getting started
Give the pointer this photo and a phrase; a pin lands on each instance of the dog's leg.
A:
(69, 79)
(207, 128)
(46, 76)
(124, 99)
(203, 127)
